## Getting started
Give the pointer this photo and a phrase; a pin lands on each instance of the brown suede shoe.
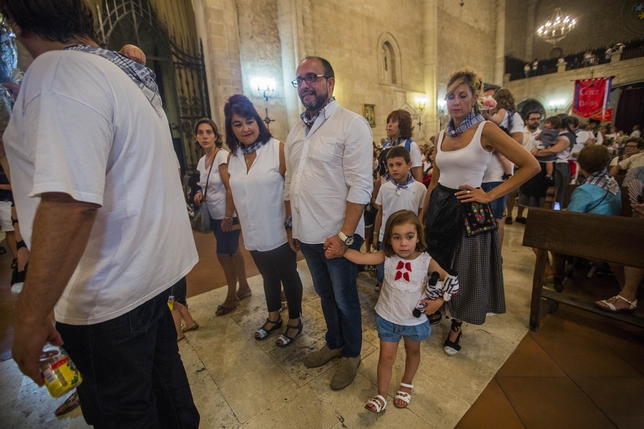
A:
(346, 373)
(321, 357)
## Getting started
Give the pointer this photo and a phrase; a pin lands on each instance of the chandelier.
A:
(557, 27)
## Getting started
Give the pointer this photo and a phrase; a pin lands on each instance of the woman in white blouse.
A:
(256, 166)
(213, 173)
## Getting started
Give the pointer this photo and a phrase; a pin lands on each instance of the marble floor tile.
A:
(238, 382)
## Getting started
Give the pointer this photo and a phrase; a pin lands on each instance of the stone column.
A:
(217, 27)
(295, 30)
(530, 29)
(499, 65)
(430, 61)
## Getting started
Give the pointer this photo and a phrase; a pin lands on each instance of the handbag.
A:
(478, 218)
(201, 221)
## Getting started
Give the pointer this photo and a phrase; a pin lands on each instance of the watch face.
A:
(348, 241)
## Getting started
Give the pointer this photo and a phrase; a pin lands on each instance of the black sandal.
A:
(452, 347)
(286, 340)
(263, 332)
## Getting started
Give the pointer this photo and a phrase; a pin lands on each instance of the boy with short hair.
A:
(401, 192)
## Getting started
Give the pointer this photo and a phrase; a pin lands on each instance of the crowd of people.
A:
(95, 216)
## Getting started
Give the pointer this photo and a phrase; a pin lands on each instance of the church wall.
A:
(515, 28)
(260, 53)
(346, 33)
(600, 22)
(466, 37)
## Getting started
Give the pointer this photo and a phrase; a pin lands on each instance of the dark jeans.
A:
(132, 373)
(279, 267)
(335, 282)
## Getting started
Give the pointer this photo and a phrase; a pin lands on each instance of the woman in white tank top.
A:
(463, 152)
(256, 167)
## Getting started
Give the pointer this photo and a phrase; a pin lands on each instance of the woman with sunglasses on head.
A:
(256, 168)
(470, 247)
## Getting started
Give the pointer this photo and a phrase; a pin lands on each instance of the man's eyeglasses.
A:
(309, 78)
(629, 146)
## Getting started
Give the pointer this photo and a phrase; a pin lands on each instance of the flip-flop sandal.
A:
(192, 327)
(223, 310)
(69, 404)
(246, 294)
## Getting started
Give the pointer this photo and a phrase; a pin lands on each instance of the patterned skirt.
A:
(477, 259)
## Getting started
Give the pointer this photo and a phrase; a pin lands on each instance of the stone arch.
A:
(530, 104)
(389, 64)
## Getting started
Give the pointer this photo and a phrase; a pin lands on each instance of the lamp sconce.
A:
(441, 104)
(557, 104)
(421, 102)
(264, 87)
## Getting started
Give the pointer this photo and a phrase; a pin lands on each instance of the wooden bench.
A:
(615, 239)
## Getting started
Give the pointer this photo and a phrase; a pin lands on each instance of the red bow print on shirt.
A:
(399, 273)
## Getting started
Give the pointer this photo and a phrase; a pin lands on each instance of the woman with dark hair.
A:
(456, 235)
(256, 168)
(400, 132)
(221, 214)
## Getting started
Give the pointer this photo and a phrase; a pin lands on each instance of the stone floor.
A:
(240, 382)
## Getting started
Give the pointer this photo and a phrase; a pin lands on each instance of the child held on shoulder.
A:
(404, 290)
(548, 137)
(400, 192)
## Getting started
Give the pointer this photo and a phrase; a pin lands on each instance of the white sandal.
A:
(608, 306)
(379, 404)
(403, 396)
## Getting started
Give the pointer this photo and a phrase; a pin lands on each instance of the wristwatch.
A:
(346, 239)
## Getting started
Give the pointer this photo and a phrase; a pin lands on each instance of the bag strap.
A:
(209, 171)
(408, 145)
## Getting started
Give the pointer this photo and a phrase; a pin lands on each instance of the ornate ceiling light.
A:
(557, 27)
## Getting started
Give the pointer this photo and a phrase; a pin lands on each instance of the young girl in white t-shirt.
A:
(406, 268)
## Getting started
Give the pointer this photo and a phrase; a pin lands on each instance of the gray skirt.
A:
(480, 275)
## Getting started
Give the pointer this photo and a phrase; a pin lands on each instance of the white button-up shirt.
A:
(327, 166)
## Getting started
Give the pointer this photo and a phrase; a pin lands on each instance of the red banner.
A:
(591, 96)
(605, 115)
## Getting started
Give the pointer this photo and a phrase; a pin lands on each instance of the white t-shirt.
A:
(517, 122)
(583, 136)
(636, 133)
(327, 166)
(529, 141)
(82, 127)
(216, 196)
(259, 197)
(391, 199)
(398, 298)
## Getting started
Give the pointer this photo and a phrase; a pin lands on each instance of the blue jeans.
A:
(380, 271)
(132, 373)
(334, 281)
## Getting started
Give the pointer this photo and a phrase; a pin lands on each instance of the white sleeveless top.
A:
(399, 296)
(464, 166)
(259, 197)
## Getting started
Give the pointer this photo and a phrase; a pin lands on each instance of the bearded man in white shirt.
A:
(328, 182)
